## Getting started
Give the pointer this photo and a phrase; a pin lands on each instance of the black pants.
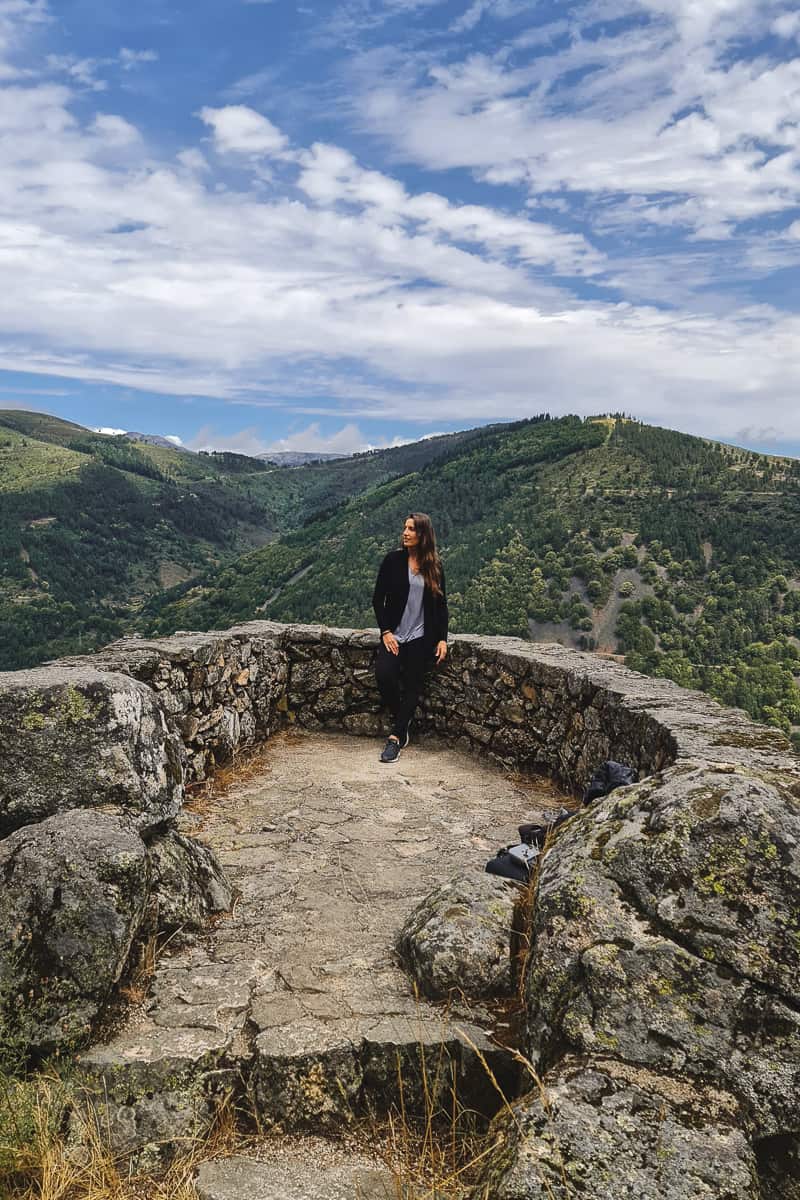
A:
(400, 678)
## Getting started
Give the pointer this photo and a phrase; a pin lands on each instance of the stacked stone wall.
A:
(665, 931)
(526, 706)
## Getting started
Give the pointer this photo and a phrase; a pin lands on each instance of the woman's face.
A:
(410, 535)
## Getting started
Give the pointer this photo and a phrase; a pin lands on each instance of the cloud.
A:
(672, 111)
(173, 437)
(343, 293)
(129, 59)
(255, 83)
(82, 71)
(310, 440)
(347, 440)
(330, 175)
(241, 130)
(85, 71)
(18, 18)
(787, 25)
(114, 130)
(109, 431)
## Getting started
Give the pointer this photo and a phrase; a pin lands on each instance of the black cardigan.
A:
(391, 595)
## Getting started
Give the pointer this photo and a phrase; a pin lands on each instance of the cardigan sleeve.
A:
(443, 614)
(380, 594)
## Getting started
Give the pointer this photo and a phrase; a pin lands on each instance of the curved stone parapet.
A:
(665, 938)
(527, 706)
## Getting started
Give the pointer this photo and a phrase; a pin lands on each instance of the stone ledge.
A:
(525, 705)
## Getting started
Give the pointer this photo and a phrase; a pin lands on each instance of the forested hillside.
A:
(680, 553)
(92, 525)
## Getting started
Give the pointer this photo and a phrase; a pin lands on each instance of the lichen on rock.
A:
(73, 896)
(188, 885)
(606, 1131)
(76, 737)
(458, 940)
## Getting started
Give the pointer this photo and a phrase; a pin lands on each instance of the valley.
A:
(678, 555)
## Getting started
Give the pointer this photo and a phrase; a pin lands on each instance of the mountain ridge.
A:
(602, 534)
(679, 554)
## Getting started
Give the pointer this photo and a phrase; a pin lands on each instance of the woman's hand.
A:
(390, 642)
(441, 652)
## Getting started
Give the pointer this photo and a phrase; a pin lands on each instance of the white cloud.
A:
(109, 431)
(193, 159)
(246, 441)
(241, 130)
(331, 175)
(114, 130)
(82, 71)
(311, 440)
(667, 111)
(129, 59)
(347, 440)
(787, 25)
(348, 287)
(173, 437)
(18, 17)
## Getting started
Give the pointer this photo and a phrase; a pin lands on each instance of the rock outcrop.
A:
(78, 737)
(666, 926)
(188, 885)
(296, 1176)
(666, 934)
(606, 1131)
(457, 942)
(73, 896)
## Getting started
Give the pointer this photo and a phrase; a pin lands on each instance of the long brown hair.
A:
(430, 564)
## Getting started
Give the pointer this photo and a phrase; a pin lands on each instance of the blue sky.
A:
(259, 224)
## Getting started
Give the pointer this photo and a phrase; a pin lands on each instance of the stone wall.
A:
(665, 929)
(527, 706)
(125, 730)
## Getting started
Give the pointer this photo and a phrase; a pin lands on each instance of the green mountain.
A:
(681, 554)
(93, 525)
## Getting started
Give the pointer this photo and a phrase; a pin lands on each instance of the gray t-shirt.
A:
(412, 623)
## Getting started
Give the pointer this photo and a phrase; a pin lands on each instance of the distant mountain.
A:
(678, 553)
(155, 439)
(92, 524)
(297, 458)
(41, 426)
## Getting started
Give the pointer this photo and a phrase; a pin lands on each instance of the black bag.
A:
(513, 863)
(609, 775)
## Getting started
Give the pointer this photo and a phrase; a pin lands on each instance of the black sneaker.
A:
(391, 751)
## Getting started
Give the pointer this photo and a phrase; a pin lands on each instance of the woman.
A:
(411, 609)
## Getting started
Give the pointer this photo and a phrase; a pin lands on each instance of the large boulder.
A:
(666, 933)
(608, 1131)
(74, 893)
(457, 941)
(189, 884)
(75, 737)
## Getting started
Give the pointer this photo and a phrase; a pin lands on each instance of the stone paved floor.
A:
(329, 850)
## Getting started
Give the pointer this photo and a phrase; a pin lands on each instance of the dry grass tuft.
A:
(52, 1148)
